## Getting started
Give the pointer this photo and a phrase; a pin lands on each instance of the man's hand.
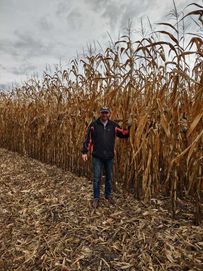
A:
(130, 120)
(84, 157)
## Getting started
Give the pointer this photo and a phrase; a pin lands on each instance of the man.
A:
(100, 140)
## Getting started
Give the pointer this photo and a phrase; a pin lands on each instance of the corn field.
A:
(149, 83)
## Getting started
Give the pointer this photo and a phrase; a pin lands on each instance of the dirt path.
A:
(46, 223)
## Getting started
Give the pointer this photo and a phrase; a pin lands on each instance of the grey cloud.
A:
(6, 3)
(134, 10)
(31, 46)
(75, 19)
(63, 7)
(2, 67)
(45, 24)
(47, 31)
(113, 13)
(23, 69)
(3, 86)
(19, 70)
(108, 9)
(98, 5)
(6, 85)
(73, 13)
(118, 13)
(25, 45)
(7, 46)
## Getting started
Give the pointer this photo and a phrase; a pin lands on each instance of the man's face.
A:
(104, 116)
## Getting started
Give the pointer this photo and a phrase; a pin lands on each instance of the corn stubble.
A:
(149, 84)
(46, 223)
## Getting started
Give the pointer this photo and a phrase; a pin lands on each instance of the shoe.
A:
(95, 203)
(110, 200)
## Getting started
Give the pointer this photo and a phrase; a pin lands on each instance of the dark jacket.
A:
(101, 140)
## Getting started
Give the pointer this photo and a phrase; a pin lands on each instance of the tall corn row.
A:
(142, 84)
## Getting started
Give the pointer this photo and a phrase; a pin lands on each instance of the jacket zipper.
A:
(104, 127)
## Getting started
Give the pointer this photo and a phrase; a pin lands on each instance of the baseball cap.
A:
(104, 110)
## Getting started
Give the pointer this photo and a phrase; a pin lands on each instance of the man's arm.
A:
(122, 133)
(88, 140)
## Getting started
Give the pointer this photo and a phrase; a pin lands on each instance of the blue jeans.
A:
(98, 165)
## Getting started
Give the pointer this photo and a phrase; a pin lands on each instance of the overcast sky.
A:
(36, 33)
